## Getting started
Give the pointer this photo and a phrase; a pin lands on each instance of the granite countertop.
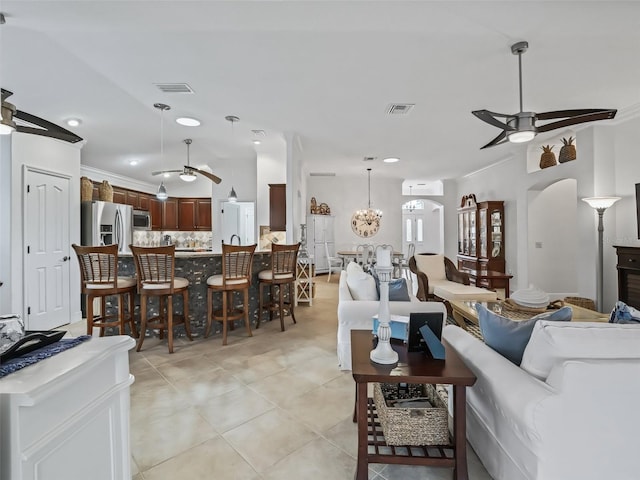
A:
(199, 252)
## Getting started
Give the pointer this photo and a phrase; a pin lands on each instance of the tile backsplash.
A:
(147, 238)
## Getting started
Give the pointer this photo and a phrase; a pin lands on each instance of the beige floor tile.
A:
(200, 388)
(320, 369)
(317, 460)
(162, 437)
(268, 438)
(138, 477)
(233, 408)
(281, 386)
(257, 367)
(320, 408)
(213, 459)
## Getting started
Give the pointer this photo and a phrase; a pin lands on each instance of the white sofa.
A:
(570, 411)
(358, 315)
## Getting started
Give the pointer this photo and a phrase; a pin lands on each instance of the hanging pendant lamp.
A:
(162, 190)
(369, 215)
(233, 196)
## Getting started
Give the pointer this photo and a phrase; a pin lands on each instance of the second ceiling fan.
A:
(522, 126)
(187, 173)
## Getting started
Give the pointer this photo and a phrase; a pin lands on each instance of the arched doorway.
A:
(423, 225)
(552, 237)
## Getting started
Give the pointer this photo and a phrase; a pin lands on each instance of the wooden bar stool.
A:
(282, 274)
(237, 262)
(99, 272)
(156, 278)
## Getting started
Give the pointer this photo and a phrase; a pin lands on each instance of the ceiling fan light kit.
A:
(522, 127)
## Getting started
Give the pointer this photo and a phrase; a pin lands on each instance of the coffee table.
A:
(465, 309)
(412, 367)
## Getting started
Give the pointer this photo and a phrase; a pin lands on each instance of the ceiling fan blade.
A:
(47, 129)
(166, 171)
(497, 141)
(210, 176)
(489, 117)
(573, 113)
(603, 115)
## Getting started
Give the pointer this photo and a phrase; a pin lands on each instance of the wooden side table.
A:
(490, 279)
(414, 367)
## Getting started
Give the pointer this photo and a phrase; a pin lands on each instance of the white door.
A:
(230, 215)
(47, 250)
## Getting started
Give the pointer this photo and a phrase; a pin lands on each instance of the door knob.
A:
(65, 258)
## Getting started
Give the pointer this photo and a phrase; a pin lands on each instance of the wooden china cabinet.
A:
(481, 235)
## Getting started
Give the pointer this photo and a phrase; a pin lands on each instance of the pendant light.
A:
(233, 196)
(162, 190)
(369, 215)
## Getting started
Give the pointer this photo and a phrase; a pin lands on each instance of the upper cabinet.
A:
(277, 207)
(194, 213)
(481, 235)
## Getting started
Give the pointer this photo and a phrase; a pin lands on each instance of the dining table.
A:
(348, 255)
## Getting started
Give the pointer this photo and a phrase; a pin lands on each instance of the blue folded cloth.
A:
(623, 313)
(47, 351)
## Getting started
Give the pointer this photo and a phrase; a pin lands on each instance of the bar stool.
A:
(99, 273)
(237, 262)
(156, 278)
(282, 273)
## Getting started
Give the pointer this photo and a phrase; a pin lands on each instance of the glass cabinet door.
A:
(496, 233)
(483, 233)
(472, 233)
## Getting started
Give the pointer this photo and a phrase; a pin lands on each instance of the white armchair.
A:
(331, 261)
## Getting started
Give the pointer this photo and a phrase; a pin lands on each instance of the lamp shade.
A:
(600, 202)
(162, 192)
(233, 197)
(187, 176)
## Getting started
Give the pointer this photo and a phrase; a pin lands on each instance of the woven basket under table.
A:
(581, 302)
(413, 426)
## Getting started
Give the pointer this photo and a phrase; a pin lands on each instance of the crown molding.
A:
(127, 182)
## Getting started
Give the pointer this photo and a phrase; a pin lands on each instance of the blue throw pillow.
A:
(398, 290)
(510, 337)
(623, 313)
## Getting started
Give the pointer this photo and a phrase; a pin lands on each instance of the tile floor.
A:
(274, 406)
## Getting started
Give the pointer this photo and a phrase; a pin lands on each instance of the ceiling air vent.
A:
(400, 108)
(174, 87)
(322, 174)
(369, 159)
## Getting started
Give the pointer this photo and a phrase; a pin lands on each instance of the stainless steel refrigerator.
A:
(106, 223)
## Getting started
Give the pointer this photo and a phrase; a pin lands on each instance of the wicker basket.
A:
(581, 302)
(86, 189)
(105, 192)
(413, 426)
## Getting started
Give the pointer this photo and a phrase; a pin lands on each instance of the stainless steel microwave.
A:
(141, 220)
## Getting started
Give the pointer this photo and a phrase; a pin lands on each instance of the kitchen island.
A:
(196, 266)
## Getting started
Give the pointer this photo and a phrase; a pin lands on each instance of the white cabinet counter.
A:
(67, 417)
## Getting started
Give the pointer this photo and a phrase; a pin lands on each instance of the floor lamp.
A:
(600, 204)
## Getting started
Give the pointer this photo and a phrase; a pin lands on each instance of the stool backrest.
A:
(284, 259)
(237, 262)
(154, 265)
(98, 265)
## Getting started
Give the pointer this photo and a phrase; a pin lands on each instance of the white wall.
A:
(346, 194)
(53, 156)
(5, 222)
(627, 174)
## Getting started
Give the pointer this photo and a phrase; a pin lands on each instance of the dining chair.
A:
(99, 276)
(332, 261)
(284, 259)
(237, 263)
(365, 254)
(155, 267)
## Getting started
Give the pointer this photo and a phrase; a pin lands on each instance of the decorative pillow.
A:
(432, 266)
(510, 337)
(623, 313)
(398, 290)
(361, 285)
(553, 343)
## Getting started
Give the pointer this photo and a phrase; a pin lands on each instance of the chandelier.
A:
(369, 215)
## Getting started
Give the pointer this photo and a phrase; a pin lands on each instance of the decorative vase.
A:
(303, 253)
(548, 158)
(86, 189)
(568, 151)
(105, 192)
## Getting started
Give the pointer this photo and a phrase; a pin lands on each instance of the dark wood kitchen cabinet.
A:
(277, 207)
(155, 209)
(132, 198)
(119, 196)
(194, 213)
(170, 214)
(629, 275)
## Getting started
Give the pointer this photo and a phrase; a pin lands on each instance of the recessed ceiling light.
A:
(188, 121)
(73, 122)
(391, 160)
(257, 142)
(133, 162)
